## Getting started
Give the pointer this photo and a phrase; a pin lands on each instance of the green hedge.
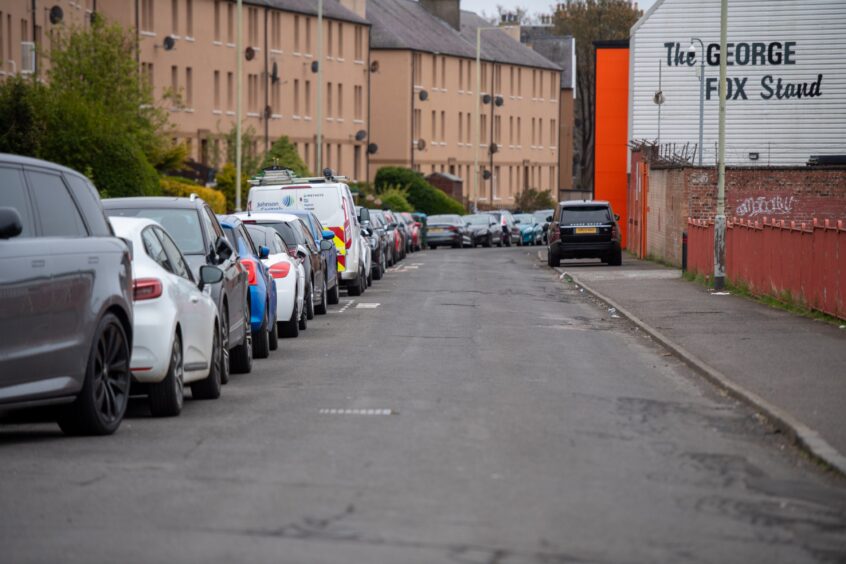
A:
(421, 195)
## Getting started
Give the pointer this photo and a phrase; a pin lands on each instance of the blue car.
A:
(531, 230)
(330, 256)
(262, 289)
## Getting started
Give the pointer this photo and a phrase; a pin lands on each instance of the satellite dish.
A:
(421, 144)
(249, 53)
(56, 15)
(274, 74)
(423, 95)
(493, 148)
(499, 101)
(360, 135)
(315, 66)
(268, 111)
(658, 98)
(374, 66)
(372, 148)
(486, 175)
(486, 98)
(169, 43)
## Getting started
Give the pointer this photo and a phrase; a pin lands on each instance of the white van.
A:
(330, 199)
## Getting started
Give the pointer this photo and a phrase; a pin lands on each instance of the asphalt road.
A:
(470, 408)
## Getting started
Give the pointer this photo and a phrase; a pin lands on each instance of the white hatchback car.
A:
(288, 275)
(176, 334)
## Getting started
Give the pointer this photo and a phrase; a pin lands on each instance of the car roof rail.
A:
(280, 176)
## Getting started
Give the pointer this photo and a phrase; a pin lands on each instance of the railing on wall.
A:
(803, 261)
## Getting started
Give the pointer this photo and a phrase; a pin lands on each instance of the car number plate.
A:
(585, 230)
(435, 230)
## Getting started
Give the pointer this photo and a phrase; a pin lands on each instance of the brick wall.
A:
(752, 193)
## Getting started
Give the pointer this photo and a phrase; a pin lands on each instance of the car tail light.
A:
(452, 228)
(280, 269)
(615, 232)
(250, 265)
(146, 289)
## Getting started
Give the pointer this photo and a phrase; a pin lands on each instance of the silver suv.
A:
(65, 299)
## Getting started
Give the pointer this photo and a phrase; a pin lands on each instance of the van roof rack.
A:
(274, 176)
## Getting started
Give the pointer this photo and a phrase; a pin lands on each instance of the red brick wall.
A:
(752, 193)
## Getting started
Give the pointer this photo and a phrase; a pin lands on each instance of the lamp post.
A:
(692, 49)
(318, 153)
(239, 49)
(720, 217)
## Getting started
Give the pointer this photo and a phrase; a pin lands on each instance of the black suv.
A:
(65, 298)
(198, 234)
(584, 229)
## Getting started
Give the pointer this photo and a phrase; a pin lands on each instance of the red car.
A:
(414, 227)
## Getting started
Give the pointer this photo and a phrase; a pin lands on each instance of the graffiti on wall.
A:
(768, 206)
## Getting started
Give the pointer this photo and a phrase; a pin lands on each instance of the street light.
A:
(238, 91)
(692, 49)
(720, 217)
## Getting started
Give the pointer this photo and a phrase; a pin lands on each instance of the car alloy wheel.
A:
(322, 308)
(224, 347)
(310, 301)
(167, 396)
(209, 387)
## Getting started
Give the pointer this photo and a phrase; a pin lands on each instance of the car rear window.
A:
(182, 224)
(585, 214)
(445, 220)
(291, 235)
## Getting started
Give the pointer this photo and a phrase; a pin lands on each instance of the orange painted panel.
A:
(611, 123)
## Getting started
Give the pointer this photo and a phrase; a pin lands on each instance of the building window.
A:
(520, 83)
(296, 97)
(328, 99)
(461, 127)
(416, 124)
(434, 71)
(252, 95)
(511, 85)
(146, 69)
(552, 89)
(359, 43)
(484, 127)
(511, 130)
(498, 79)
(540, 132)
(534, 130)
(174, 16)
(189, 18)
(306, 156)
(189, 87)
(308, 35)
(552, 133)
(357, 162)
(275, 31)
(339, 165)
(174, 79)
(230, 23)
(252, 27)
(327, 157)
(359, 101)
(296, 34)
(417, 61)
(443, 125)
(329, 28)
(340, 40)
(340, 114)
(497, 130)
(460, 75)
(147, 15)
(484, 77)
(307, 96)
(276, 97)
(443, 72)
(217, 20)
(217, 90)
(520, 131)
(468, 128)
(434, 125)
(230, 91)
(540, 85)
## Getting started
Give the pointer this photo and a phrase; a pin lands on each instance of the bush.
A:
(421, 195)
(284, 154)
(532, 200)
(395, 199)
(182, 188)
(225, 179)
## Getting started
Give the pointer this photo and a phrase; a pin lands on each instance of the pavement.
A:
(469, 408)
(791, 368)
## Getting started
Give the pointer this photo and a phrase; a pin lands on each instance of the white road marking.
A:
(357, 412)
(368, 305)
(345, 307)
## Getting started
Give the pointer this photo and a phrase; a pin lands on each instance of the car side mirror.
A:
(616, 217)
(364, 215)
(10, 223)
(326, 245)
(264, 252)
(328, 235)
(367, 231)
(223, 250)
(392, 225)
(301, 252)
(549, 218)
(516, 221)
(209, 275)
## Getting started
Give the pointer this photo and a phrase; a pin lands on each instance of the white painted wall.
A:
(782, 131)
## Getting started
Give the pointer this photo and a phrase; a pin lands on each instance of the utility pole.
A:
(720, 217)
(319, 138)
(239, 54)
(692, 49)
(477, 115)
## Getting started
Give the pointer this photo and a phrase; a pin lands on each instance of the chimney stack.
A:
(447, 10)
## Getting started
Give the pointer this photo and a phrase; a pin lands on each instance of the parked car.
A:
(387, 234)
(584, 229)
(414, 229)
(176, 330)
(65, 298)
(544, 217)
(329, 252)
(448, 229)
(198, 234)
(399, 236)
(330, 199)
(262, 289)
(421, 217)
(510, 232)
(378, 243)
(405, 233)
(288, 276)
(300, 244)
(531, 230)
(484, 229)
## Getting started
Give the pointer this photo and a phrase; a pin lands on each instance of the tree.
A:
(284, 154)
(395, 199)
(21, 125)
(588, 21)
(531, 200)
(421, 195)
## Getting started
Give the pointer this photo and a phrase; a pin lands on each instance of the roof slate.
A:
(332, 9)
(405, 24)
(556, 48)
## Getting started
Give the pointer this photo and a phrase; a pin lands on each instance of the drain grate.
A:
(359, 412)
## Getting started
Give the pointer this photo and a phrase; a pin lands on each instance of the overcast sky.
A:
(534, 6)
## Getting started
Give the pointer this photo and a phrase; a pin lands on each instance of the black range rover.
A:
(584, 229)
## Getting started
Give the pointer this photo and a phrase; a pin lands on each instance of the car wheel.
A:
(166, 396)
(321, 308)
(291, 328)
(209, 387)
(101, 404)
(488, 241)
(431, 247)
(261, 342)
(616, 258)
(355, 289)
(274, 335)
(370, 278)
(380, 268)
(335, 294)
(241, 357)
(552, 257)
(224, 347)
(309, 300)
(303, 323)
